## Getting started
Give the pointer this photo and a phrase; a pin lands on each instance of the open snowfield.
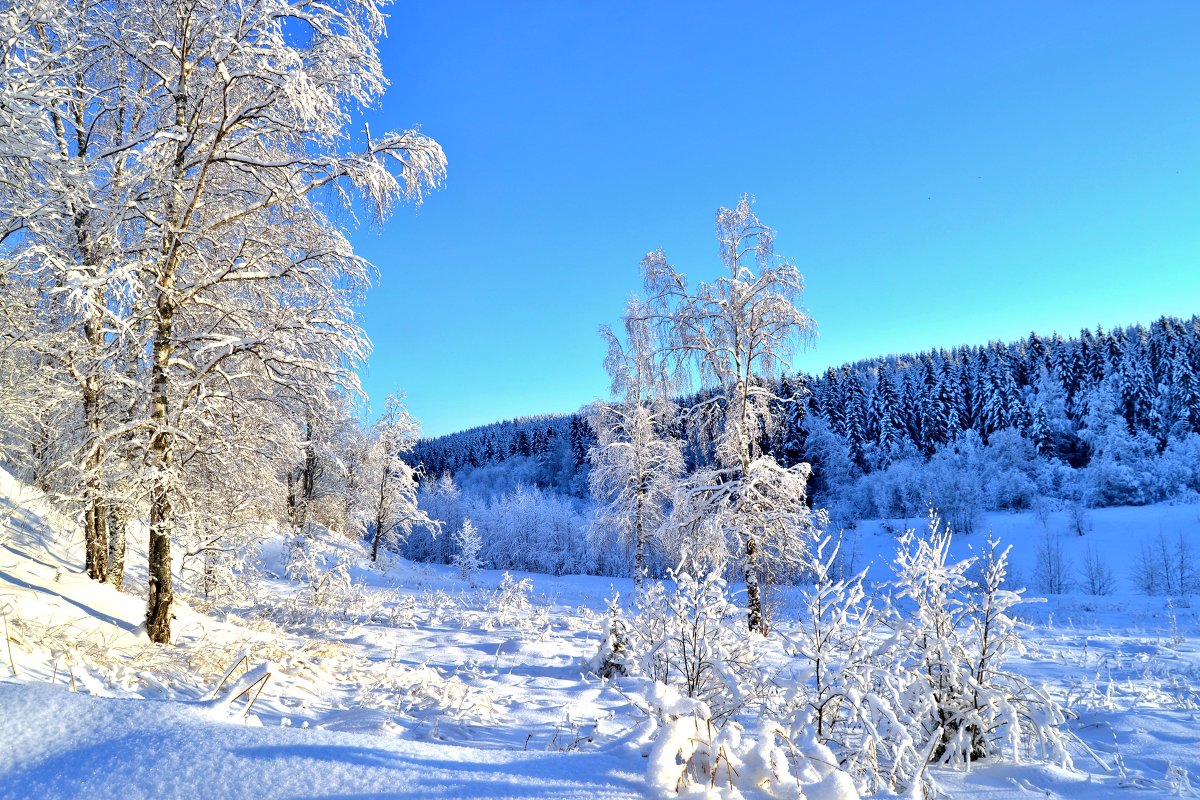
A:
(431, 689)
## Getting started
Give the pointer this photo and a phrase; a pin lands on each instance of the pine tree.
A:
(1134, 384)
(855, 404)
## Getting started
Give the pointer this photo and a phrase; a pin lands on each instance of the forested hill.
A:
(1043, 387)
(551, 448)
(1061, 395)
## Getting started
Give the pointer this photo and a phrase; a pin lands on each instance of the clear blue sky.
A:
(941, 173)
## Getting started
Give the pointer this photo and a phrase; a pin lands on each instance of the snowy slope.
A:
(62, 745)
(433, 697)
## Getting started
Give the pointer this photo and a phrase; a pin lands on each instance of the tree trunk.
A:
(380, 512)
(293, 502)
(639, 555)
(162, 517)
(118, 519)
(308, 482)
(755, 616)
(302, 487)
(378, 534)
(95, 517)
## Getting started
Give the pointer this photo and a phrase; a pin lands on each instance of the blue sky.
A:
(941, 174)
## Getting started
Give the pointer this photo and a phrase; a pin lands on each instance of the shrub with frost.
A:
(321, 564)
(694, 756)
(952, 640)
(693, 638)
(467, 546)
(835, 638)
(509, 605)
(610, 658)
(919, 676)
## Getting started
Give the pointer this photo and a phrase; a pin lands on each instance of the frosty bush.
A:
(222, 573)
(610, 659)
(509, 607)
(1078, 517)
(835, 637)
(895, 493)
(918, 676)
(534, 530)
(694, 757)
(691, 640)
(954, 639)
(467, 546)
(322, 566)
(957, 481)
(1165, 568)
(1096, 577)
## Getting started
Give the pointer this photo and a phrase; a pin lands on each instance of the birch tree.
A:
(77, 108)
(245, 275)
(635, 462)
(393, 509)
(737, 333)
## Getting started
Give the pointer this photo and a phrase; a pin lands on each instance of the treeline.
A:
(1045, 388)
(545, 451)
(1113, 401)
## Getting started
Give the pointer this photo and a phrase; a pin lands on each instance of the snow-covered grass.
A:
(422, 684)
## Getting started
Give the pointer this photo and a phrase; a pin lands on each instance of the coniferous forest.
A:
(1100, 419)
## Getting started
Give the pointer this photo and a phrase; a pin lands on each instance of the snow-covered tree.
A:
(467, 546)
(246, 108)
(738, 333)
(834, 637)
(393, 510)
(635, 462)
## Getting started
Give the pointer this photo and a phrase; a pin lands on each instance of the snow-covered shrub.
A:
(1043, 507)
(610, 658)
(896, 493)
(835, 637)
(1167, 568)
(509, 606)
(1095, 576)
(694, 639)
(1011, 470)
(535, 531)
(957, 483)
(695, 757)
(467, 546)
(1146, 573)
(439, 605)
(1120, 471)
(1178, 466)
(1079, 518)
(921, 678)
(322, 565)
(954, 639)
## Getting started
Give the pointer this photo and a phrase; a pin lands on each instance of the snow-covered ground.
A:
(440, 692)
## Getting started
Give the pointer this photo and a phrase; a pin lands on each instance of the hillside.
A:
(1053, 391)
(414, 683)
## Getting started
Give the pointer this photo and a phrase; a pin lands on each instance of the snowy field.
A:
(433, 687)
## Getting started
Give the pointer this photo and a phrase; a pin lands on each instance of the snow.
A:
(62, 744)
(432, 698)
